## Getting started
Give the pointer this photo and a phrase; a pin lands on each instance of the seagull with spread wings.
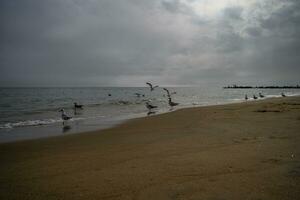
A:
(151, 86)
(169, 93)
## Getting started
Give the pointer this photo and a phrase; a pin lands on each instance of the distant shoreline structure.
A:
(261, 87)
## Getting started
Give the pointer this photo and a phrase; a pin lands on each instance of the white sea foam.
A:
(293, 94)
(10, 125)
(29, 123)
(273, 96)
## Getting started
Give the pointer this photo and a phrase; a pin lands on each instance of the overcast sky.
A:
(129, 42)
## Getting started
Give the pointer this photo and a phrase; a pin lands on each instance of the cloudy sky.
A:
(129, 42)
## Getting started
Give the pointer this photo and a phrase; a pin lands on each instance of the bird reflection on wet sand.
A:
(66, 128)
(151, 113)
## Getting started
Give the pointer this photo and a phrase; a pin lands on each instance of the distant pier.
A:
(261, 87)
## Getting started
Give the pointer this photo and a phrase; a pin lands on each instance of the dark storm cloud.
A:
(278, 47)
(254, 48)
(76, 40)
(128, 42)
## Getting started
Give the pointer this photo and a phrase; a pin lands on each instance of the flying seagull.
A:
(151, 86)
(64, 116)
(169, 93)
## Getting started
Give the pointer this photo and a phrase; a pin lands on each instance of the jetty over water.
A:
(261, 87)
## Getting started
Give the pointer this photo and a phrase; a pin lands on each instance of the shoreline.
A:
(233, 151)
(57, 131)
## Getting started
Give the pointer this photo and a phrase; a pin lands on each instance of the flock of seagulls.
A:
(65, 117)
(261, 96)
(169, 94)
(149, 106)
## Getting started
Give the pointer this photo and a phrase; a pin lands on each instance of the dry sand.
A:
(238, 151)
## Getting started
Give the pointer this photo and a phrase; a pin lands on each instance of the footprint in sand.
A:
(267, 110)
(245, 139)
(272, 161)
(295, 172)
(279, 137)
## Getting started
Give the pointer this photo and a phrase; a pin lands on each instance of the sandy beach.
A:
(247, 150)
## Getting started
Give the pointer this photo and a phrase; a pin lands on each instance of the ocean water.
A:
(34, 112)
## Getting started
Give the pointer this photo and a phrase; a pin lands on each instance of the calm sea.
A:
(34, 112)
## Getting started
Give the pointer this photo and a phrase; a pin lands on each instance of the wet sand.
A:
(239, 151)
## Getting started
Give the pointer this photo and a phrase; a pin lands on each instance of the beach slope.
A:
(248, 150)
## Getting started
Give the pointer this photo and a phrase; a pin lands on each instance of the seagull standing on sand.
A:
(150, 112)
(149, 106)
(78, 106)
(171, 103)
(246, 97)
(64, 116)
(254, 97)
(260, 95)
(139, 95)
(151, 86)
(283, 95)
